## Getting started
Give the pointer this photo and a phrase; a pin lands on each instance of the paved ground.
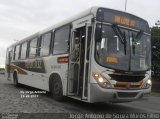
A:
(11, 102)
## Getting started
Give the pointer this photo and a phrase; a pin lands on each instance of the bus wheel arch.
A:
(56, 87)
(15, 78)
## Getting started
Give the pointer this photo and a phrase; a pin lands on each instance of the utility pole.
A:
(125, 5)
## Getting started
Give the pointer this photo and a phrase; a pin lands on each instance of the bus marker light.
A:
(100, 79)
(62, 59)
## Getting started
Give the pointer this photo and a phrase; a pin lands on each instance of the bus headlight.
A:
(147, 84)
(103, 82)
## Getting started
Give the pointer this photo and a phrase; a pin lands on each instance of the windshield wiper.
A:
(138, 36)
(125, 42)
(120, 35)
(133, 44)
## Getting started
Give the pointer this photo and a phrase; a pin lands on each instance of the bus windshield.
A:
(121, 48)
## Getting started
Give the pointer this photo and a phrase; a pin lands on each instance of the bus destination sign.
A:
(125, 21)
(122, 18)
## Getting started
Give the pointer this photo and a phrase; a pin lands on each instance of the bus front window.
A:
(121, 49)
(140, 51)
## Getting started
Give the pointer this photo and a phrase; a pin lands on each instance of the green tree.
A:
(155, 38)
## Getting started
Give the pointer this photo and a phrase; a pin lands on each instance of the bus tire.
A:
(57, 89)
(15, 79)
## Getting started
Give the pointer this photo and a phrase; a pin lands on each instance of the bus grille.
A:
(127, 94)
(128, 85)
(126, 78)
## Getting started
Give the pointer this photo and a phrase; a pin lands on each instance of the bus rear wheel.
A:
(15, 80)
(57, 90)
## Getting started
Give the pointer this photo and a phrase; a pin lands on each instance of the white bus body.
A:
(94, 72)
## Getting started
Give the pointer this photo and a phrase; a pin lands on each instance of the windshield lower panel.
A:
(122, 49)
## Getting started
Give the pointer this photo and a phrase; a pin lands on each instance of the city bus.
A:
(99, 55)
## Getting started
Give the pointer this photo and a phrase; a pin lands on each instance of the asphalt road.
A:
(12, 102)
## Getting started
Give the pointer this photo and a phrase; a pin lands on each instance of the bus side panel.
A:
(41, 80)
(34, 80)
(30, 72)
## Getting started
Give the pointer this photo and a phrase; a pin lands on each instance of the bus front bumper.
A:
(98, 94)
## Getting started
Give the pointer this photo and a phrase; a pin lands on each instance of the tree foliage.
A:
(155, 38)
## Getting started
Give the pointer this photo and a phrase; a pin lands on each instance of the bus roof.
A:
(90, 11)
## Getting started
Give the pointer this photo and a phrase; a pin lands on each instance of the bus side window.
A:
(33, 48)
(23, 50)
(11, 53)
(16, 52)
(45, 44)
(61, 39)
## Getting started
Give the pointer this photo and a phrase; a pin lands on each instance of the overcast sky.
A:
(21, 18)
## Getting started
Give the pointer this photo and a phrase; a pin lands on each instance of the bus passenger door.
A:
(75, 62)
(79, 62)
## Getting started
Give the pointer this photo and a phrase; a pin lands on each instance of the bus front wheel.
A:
(57, 89)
